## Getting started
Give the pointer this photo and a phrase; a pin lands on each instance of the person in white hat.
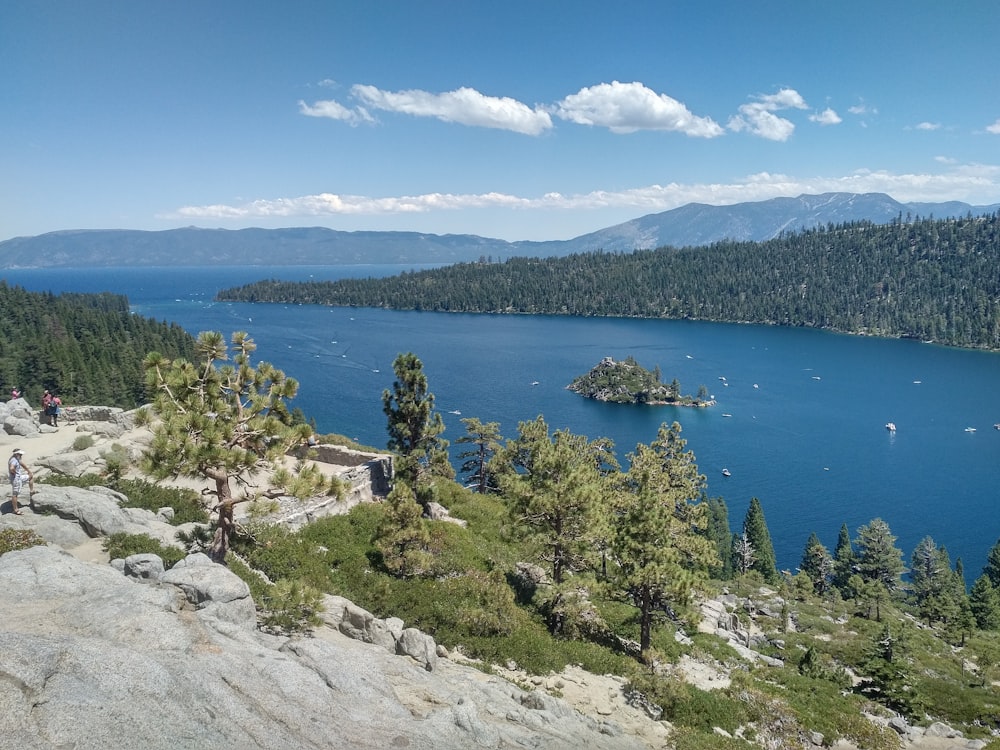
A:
(18, 472)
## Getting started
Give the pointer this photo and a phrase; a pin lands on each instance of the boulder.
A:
(145, 566)
(418, 645)
(214, 589)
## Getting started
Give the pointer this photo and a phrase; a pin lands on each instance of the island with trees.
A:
(628, 382)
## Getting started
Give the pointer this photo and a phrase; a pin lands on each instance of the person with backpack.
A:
(18, 471)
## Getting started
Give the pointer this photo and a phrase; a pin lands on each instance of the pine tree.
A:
(553, 488)
(224, 423)
(485, 442)
(402, 537)
(755, 530)
(878, 557)
(414, 427)
(887, 679)
(992, 567)
(658, 544)
(844, 561)
(817, 564)
(721, 535)
(985, 603)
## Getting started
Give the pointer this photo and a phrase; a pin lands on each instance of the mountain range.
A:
(691, 225)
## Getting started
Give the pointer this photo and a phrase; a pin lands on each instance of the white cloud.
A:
(465, 106)
(759, 119)
(826, 117)
(962, 182)
(994, 128)
(628, 107)
(928, 126)
(336, 111)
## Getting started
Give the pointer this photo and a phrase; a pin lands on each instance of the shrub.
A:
(15, 539)
(82, 442)
(291, 607)
(116, 461)
(122, 545)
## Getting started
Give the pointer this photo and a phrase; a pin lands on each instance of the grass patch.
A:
(122, 545)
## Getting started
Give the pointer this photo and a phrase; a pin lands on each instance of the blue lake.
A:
(800, 419)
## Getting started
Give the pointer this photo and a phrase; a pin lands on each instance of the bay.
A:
(800, 419)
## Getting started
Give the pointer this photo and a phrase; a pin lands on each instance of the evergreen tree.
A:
(658, 543)
(755, 530)
(225, 423)
(414, 427)
(844, 561)
(817, 564)
(484, 440)
(878, 557)
(933, 582)
(887, 678)
(992, 567)
(553, 488)
(985, 603)
(402, 537)
(721, 535)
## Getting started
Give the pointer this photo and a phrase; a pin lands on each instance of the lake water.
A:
(800, 420)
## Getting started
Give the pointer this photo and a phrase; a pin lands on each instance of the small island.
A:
(627, 382)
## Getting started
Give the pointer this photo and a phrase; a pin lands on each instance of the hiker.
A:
(56, 410)
(18, 470)
(47, 406)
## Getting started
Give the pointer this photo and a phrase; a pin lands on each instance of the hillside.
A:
(691, 225)
(84, 347)
(132, 655)
(936, 280)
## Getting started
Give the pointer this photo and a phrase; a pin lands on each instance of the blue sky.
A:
(518, 120)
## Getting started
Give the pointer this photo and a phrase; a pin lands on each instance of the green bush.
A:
(185, 503)
(15, 539)
(122, 545)
(291, 607)
(282, 554)
(116, 462)
(82, 442)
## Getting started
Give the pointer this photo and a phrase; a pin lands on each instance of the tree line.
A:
(88, 348)
(928, 279)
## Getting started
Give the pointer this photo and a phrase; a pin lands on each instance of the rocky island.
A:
(628, 382)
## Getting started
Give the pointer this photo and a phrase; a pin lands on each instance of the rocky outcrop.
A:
(96, 659)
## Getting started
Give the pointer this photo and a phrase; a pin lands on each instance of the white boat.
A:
(729, 415)
(890, 426)
(970, 429)
(727, 473)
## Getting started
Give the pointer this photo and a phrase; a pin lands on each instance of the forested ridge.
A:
(929, 279)
(88, 348)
